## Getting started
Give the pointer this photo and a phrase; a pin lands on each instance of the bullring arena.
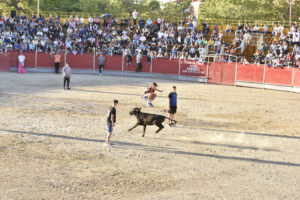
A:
(230, 142)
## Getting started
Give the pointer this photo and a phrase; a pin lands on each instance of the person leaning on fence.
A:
(66, 72)
(101, 62)
(57, 61)
(139, 62)
(128, 56)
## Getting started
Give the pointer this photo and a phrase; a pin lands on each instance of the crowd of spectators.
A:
(153, 38)
(279, 49)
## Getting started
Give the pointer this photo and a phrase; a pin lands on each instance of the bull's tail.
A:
(172, 120)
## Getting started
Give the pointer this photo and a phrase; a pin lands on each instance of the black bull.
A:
(144, 119)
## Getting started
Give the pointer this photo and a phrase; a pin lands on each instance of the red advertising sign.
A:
(193, 68)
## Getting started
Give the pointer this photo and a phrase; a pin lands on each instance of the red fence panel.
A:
(13, 58)
(221, 73)
(4, 63)
(297, 77)
(79, 61)
(165, 66)
(29, 59)
(45, 60)
(111, 63)
(193, 68)
(279, 76)
(215, 73)
(250, 73)
(228, 74)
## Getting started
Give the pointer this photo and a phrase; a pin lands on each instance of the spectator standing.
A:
(111, 120)
(21, 59)
(101, 61)
(57, 61)
(139, 62)
(172, 105)
(66, 72)
(135, 15)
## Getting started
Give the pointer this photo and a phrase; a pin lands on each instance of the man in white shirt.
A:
(21, 59)
(139, 62)
(135, 15)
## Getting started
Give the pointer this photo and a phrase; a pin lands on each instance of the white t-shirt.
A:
(135, 15)
(21, 59)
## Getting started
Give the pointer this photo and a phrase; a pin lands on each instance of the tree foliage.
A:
(268, 10)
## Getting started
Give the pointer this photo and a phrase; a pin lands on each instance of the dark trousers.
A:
(129, 58)
(66, 79)
(134, 22)
(139, 67)
(100, 69)
(57, 67)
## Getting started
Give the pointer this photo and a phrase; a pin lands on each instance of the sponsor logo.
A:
(193, 69)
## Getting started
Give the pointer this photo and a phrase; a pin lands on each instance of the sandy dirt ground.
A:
(230, 142)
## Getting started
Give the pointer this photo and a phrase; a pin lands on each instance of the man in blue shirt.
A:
(172, 105)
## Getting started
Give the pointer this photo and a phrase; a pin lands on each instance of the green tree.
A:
(247, 10)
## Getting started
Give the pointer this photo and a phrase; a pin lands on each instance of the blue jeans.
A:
(109, 128)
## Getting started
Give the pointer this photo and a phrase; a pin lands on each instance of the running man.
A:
(172, 105)
(150, 95)
(111, 120)
(66, 72)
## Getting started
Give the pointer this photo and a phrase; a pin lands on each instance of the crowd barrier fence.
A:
(225, 73)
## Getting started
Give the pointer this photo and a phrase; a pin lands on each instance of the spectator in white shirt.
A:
(135, 15)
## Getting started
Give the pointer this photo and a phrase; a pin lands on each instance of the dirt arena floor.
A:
(230, 142)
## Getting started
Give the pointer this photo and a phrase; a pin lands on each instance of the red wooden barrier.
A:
(79, 61)
(4, 63)
(278, 76)
(221, 73)
(45, 60)
(13, 58)
(29, 59)
(297, 77)
(165, 66)
(193, 68)
(250, 73)
(228, 74)
(215, 73)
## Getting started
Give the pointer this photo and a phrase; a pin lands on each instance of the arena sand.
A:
(230, 142)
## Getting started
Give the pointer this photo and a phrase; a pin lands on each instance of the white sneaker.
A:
(107, 144)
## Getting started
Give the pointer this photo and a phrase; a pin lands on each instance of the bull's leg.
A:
(144, 131)
(136, 125)
(159, 125)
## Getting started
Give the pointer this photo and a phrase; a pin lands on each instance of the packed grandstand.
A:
(276, 46)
